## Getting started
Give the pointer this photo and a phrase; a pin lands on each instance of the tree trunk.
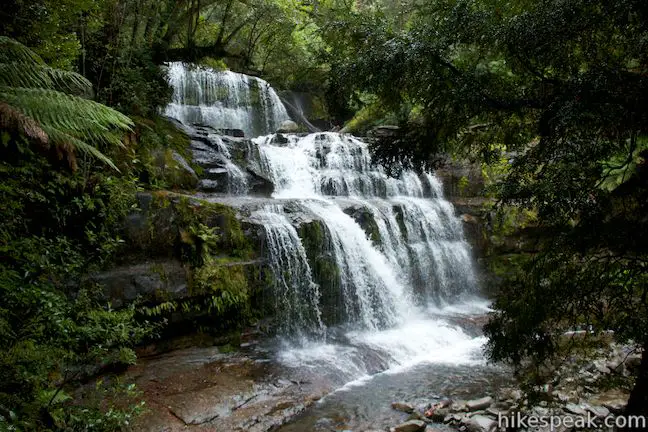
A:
(638, 402)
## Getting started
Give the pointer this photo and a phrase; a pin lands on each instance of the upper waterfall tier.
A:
(224, 100)
(332, 164)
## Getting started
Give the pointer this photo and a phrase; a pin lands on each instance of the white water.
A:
(224, 100)
(296, 295)
(421, 261)
(404, 270)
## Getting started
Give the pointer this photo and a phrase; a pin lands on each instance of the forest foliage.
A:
(558, 85)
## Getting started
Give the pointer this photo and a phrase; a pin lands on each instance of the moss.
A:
(367, 221)
(504, 265)
(324, 268)
(400, 220)
(370, 115)
(151, 154)
(219, 276)
(216, 64)
(190, 222)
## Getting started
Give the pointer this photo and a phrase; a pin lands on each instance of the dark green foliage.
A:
(57, 225)
(563, 85)
(40, 103)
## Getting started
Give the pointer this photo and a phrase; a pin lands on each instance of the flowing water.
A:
(372, 276)
(224, 100)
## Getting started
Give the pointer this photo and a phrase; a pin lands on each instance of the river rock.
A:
(480, 423)
(458, 406)
(288, 126)
(575, 409)
(598, 411)
(437, 415)
(615, 400)
(479, 404)
(402, 406)
(633, 362)
(410, 426)
(600, 366)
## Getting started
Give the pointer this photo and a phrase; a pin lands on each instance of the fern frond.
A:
(82, 118)
(11, 50)
(17, 74)
(35, 100)
(69, 143)
(12, 119)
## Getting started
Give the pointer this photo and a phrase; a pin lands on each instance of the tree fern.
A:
(49, 107)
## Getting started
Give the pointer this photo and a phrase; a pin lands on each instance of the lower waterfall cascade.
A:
(389, 261)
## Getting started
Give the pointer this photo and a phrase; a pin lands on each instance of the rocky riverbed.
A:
(251, 389)
(580, 396)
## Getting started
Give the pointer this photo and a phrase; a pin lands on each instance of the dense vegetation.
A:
(562, 84)
(559, 86)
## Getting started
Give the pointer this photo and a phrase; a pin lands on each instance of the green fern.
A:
(49, 106)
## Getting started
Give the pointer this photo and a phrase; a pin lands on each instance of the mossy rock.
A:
(326, 273)
(365, 218)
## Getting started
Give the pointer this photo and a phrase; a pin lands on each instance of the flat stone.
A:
(410, 426)
(458, 406)
(494, 412)
(437, 414)
(575, 409)
(479, 404)
(402, 406)
(615, 400)
(598, 411)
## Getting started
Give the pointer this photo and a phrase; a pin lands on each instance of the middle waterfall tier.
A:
(345, 243)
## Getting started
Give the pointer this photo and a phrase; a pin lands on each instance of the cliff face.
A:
(500, 236)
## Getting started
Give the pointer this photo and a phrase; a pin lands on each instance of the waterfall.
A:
(365, 269)
(419, 254)
(296, 295)
(223, 100)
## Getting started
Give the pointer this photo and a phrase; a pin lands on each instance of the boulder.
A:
(174, 169)
(614, 400)
(598, 411)
(480, 423)
(437, 415)
(288, 126)
(575, 409)
(152, 281)
(410, 426)
(402, 406)
(258, 184)
(479, 404)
